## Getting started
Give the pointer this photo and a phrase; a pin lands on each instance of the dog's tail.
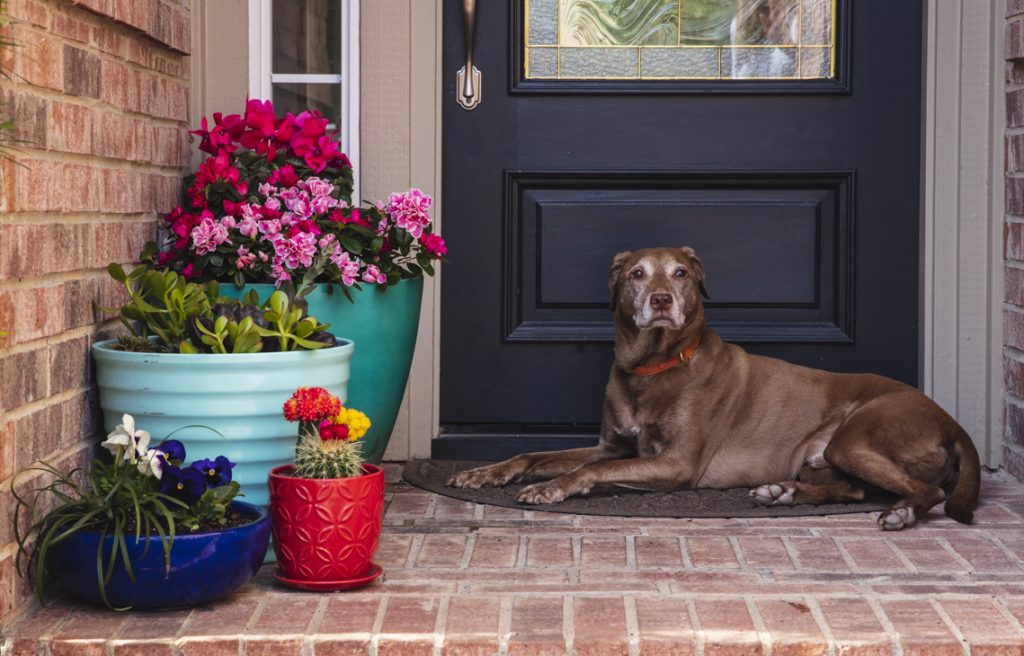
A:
(961, 503)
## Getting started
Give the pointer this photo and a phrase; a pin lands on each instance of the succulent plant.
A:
(186, 317)
(319, 458)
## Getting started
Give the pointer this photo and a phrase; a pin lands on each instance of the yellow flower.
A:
(357, 422)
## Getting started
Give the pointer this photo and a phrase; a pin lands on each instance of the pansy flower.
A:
(184, 484)
(215, 472)
(128, 441)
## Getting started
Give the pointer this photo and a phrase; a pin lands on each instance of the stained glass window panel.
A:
(679, 39)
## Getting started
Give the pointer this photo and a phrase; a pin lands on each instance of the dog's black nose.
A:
(661, 301)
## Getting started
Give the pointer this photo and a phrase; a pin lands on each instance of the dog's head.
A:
(657, 287)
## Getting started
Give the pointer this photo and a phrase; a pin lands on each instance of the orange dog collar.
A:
(684, 357)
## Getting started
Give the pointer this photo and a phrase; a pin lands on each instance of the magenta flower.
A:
(410, 211)
(434, 244)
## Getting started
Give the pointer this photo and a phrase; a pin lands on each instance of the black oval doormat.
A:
(432, 474)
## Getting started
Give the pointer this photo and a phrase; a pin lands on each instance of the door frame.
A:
(961, 204)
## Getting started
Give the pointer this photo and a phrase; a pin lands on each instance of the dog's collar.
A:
(683, 357)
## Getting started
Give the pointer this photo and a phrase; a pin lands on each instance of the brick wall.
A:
(99, 93)
(1013, 253)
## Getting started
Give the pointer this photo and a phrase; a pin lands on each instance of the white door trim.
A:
(962, 217)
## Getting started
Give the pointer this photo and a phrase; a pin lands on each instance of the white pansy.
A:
(152, 463)
(124, 437)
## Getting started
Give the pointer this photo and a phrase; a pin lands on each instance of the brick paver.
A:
(466, 579)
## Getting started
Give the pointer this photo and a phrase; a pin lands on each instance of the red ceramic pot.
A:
(326, 530)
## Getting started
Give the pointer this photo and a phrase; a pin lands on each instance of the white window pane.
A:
(298, 97)
(307, 36)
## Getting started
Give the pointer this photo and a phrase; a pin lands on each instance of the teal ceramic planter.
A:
(238, 395)
(383, 323)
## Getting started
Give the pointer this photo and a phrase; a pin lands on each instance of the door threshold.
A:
(498, 442)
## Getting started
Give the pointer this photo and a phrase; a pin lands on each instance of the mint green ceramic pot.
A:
(382, 321)
(240, 396)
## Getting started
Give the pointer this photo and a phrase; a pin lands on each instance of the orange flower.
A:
(311, 404)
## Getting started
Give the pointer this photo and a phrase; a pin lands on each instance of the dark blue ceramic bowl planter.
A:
(204, 566)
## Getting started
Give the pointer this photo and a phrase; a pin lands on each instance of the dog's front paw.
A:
(897, 518)
(542, 493)
(775, 494)
(479, 477)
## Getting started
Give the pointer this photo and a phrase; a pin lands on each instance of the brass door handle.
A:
(468, 89)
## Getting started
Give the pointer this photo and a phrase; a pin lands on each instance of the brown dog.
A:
(683, 409)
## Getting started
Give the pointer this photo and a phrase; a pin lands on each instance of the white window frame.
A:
(262, 77)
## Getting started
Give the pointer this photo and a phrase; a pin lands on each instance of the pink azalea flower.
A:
(245, 258)
(434, 244)
(266, 189)
(272, 204)
(208, 235)
(410, 211)
(322, 204)
(280, 274)
(348, 266)
(374, 274)
(317, 187)
(295, 251)
(269, 228)
(300, 206)
(228, 222)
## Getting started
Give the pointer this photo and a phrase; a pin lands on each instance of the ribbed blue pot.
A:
(204, 566)
(240, 396)
(382, 321)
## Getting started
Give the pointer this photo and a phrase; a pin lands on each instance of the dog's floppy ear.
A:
(613, 276)
(698, 268)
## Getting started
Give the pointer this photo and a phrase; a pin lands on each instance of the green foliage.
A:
(211, 508)
(289, 325)
(186, 317)
(318, 458)
(161, 303)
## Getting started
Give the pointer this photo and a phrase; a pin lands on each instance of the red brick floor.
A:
(468, 579)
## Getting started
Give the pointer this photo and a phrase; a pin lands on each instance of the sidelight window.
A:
(304, 54)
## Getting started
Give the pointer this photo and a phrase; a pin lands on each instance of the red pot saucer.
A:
(325, 586)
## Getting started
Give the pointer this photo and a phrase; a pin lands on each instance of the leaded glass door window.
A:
(681, 44)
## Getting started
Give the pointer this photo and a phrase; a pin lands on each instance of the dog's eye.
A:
(680, 272)
(637, 273)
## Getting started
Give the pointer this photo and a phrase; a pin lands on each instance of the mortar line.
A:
(441, 624)
(762, 631)
(698, 631)
(951, 625)
(378, 622)
(901, 556)
(467, 551)
(504, 623)
(826, 630)
(632, 625)
(944, 543)
(883, 619)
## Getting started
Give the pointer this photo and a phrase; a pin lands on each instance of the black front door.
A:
(779, 138)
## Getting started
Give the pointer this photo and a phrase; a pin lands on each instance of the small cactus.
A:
(328, 444)
(319, 458)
